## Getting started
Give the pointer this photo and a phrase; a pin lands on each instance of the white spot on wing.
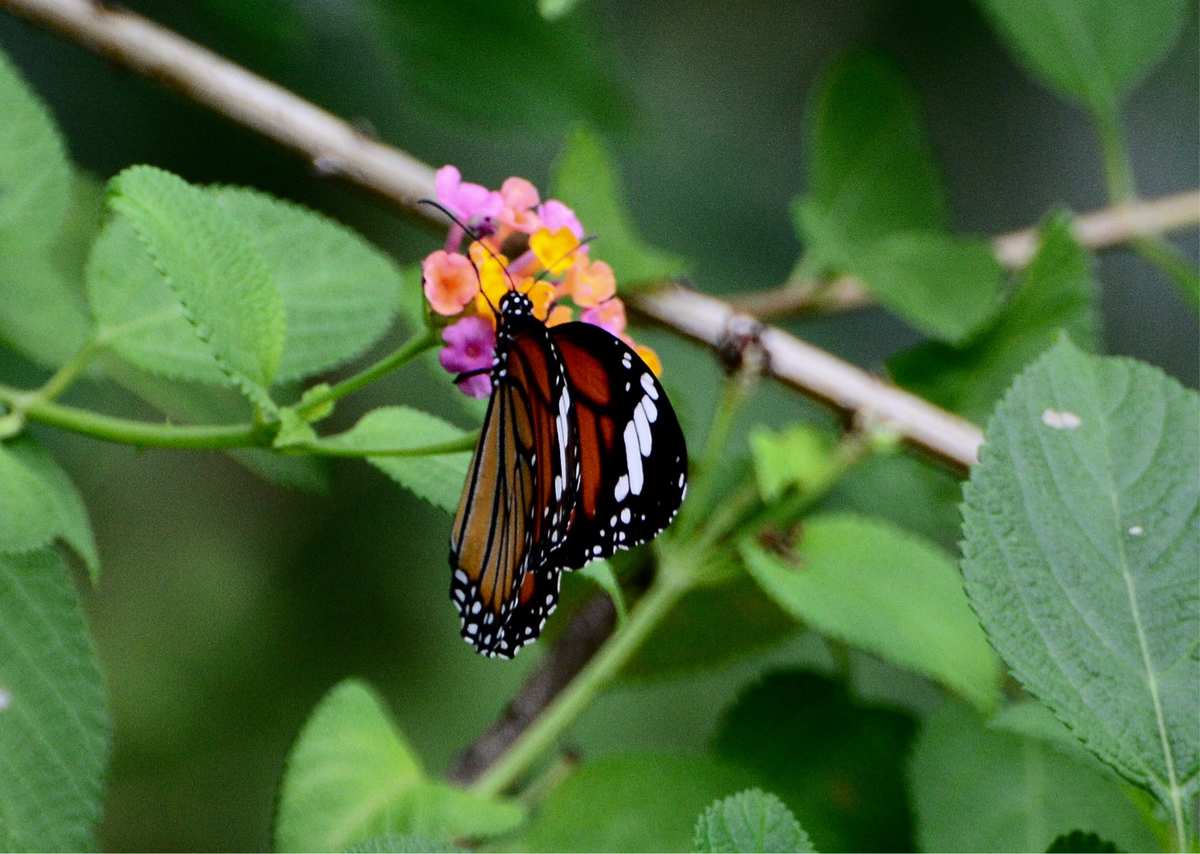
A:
(622, 488)
(645, 440)
(633, 459)
(648, 385)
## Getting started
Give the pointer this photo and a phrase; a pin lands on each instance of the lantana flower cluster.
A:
(524, 242)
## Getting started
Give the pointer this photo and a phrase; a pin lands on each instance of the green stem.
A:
(61, 380)
(650, 610)
(1164, 256)
(407, 351)
(1118, 173)
(453, 446)
(126, 431)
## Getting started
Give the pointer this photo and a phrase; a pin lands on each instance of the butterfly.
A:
(580, 455)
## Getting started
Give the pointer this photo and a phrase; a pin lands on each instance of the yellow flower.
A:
(555, 250)
(650, 358)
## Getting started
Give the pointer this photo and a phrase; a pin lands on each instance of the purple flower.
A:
(472, 203)
(470, 346)
(555, 215)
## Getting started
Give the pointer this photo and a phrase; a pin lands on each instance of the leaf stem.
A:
(1118, 173)
(61, 380)
(407, 351)
(127, 431)
(452, 446)
(650, 610)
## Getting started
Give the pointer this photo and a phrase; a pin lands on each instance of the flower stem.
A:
(407, 351)
(650, 610)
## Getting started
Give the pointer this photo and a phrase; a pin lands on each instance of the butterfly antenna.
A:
(475, 238)
(542, 275)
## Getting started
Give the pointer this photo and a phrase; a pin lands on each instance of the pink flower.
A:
(472, 203)
(555, 215)
(470, 346)
(609, 316)
(450, 281)
(521, 200)
(591, 283)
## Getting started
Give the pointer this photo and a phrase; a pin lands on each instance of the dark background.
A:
(228, 606)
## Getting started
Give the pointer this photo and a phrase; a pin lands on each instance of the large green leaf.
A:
(41, 314)
(874, 586)
(947, 287)
(339, 293)
(213, 268)
(351, 776)
(1082, 527)
(836, 763)
(585, 177)
(437, 479)
(34, 173)
(871, 170)
(1057, 292)
(752, 820)
(980, 789)
(1092, 51)
(54, 728)
(28, 512)
(635, 802)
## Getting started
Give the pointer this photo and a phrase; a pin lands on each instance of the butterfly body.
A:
(580, 455)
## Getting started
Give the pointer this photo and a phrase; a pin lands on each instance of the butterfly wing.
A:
(632, 457)
(514, 509)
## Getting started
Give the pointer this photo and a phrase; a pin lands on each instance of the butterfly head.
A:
(515, 304)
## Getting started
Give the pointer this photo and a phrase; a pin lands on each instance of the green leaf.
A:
(1078, 841)
(54, 727)
(69, 516)
(1080, 543)
(586, 178)
(437, 479)
(947, 287)
(213, 268)
(979, 789)
(752, 820)
(871, 172)
(396, 844)
(601, 573)
(649, 802)
(1091, 51)
(799, 457)
(552, 10)
(836, 763)
(34, 172)
(874, 586)
(339, 292)
(352, 776)
(1057, 292)
(28, 512)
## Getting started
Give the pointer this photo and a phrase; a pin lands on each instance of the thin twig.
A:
(1099, 229)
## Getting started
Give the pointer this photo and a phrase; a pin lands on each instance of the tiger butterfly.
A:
(580, 455)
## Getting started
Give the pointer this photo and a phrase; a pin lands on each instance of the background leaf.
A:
(871, 170)
(871, 585)
(1092, 51)
(979, 789)
(352, 776)
(54, 728)
(1079, 841)
(649, 802)
(585, 178)
(1081, 536)
(34, 173)
(214, 270)
(800, 457)
(835, 762)
(395, 844)
(752, 820)
(947, 287)
(1056, 292)
(28, 511)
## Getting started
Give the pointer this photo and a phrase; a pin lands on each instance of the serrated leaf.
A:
(339, 292)
(1091, 51)
(835, 762)
(1057, 292)
(650, 803)
(437, 479)
(979, 789)
(34, 172)
(54, 726)
(1078, 841)
(214, 270)
(69, 516)
(798, 457)
(351, 776)
(871, 169)
(585, 177)
(752, 820)
(874, 586)
(947, 287)
(1080, 539)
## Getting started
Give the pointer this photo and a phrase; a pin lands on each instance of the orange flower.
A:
(559, 314)
(590, 283)
(609, 316)
(449, 281)
(650, 358)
